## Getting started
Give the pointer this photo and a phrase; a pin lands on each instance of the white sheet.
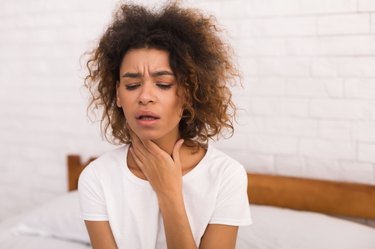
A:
(273, 228)
(10, 240)
(280, 228)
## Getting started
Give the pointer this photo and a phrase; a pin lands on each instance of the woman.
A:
(161, 80)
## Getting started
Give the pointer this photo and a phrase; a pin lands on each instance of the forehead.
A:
(149, 59)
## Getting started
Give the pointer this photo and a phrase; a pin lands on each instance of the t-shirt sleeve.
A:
(91, 196)
(232, 203)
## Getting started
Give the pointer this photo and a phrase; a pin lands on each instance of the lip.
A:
(145, 122)
(146, 113)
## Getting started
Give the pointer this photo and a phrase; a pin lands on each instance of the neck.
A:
(167, 142)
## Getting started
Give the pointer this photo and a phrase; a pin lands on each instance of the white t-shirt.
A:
(214, 191)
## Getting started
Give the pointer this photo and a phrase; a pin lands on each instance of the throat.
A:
(189, 160)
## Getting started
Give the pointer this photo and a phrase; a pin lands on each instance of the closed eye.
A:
(164, 86)
(132, 86)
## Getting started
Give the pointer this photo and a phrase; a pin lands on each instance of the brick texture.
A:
(307, 106)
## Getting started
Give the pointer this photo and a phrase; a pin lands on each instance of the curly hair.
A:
(199, 58)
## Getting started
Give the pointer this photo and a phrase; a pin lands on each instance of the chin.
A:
(148, 135)
(156, 133)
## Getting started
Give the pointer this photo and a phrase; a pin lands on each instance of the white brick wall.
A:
(42, 103)
(307, 107)
(344, 24)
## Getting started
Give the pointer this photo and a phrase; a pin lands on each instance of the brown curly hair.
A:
(199, 58)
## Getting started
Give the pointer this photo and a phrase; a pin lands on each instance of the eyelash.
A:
(162, 86)
(131, 87)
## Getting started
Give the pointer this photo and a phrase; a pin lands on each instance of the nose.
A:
(147, 94)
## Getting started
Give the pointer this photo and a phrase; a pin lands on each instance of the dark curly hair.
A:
(198, 56)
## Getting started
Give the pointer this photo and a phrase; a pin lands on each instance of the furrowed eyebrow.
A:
(131, 75)
(161, 73)
(153, 74)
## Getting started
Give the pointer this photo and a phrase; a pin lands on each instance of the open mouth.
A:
(144, 117)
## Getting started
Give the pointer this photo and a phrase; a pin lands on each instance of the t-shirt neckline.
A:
(189, 175)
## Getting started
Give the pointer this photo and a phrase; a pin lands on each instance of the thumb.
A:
(176, 151)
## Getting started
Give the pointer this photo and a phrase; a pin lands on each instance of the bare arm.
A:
(176, 223)
(219, 236)
(101, 236)
(216, 236)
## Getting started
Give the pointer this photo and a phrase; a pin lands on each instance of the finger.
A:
(136, 158)
(138, 162)
(138, 152)
(152, 147)
(136, 142)
(176, 152)
(134, 137)
(131, 132)
(138, 146)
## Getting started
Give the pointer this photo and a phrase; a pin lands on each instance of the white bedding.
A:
(281, 228)
(57, 225)
(10, 239)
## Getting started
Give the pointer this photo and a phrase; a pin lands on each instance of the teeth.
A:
(147, 118)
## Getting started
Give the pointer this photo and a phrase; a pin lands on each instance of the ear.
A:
(182, 99)
(182, 111)
(183, 108)
(118, 103)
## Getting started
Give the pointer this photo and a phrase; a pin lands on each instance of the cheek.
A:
(176, 104)
(123, 105)
(125, 111)
(124, 101)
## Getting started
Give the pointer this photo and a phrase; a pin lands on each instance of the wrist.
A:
(170, 200)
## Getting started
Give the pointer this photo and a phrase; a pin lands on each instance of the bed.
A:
(288, 213)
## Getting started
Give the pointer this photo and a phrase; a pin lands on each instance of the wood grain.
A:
(336, 198)
(75, 167)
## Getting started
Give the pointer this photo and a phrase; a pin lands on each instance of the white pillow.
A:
(280, 228)
(58, 218)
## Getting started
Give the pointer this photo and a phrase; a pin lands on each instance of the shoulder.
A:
(220, 159)
(106, 165)
(224, 165)
(109, 159)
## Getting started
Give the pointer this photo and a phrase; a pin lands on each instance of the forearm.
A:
(176, 223)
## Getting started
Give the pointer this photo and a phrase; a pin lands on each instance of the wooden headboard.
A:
(329, 197)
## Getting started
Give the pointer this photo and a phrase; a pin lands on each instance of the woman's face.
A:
(147, 94)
